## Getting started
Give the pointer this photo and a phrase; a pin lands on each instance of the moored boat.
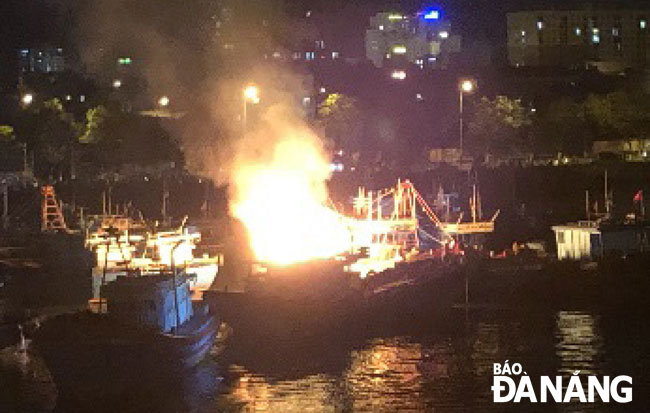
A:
(151, 333)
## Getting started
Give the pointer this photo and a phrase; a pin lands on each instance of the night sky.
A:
(30, 23)
(26, 22)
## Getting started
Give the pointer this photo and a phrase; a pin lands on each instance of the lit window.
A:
(540, 25)
(432, 59)
(643, 24)
(578, 31)
(296, 55)
(310, 55)
(523, 33)
(595, 39)
(306, 101)
(82, 98)
(381, 27)
(616, 31)
(335, 55)
(399, 49)
(444, 34)
(398, 75)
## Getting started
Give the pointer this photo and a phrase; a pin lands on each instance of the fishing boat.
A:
(123, 246)
(146, 330)
(397, 244)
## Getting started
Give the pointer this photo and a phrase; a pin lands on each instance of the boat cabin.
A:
(591, 240)
(150, 301)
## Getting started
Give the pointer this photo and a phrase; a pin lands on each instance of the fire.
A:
(281, 200)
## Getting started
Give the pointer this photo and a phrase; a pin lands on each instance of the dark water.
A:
(444, 368)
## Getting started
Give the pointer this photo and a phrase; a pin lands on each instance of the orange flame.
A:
(281, 201)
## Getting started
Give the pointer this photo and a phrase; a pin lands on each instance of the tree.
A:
(49, 132)
(562, 127)
(95, 129)
(6, 133)
(499, 126)
(10, 150)
(341, 119)
(619, 115)
(112, 138)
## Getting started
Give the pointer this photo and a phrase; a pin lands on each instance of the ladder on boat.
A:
(52, 218)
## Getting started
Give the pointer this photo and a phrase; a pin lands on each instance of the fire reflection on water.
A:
(384, 376)
(440, 372)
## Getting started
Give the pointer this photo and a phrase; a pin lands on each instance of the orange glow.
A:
(281, 201)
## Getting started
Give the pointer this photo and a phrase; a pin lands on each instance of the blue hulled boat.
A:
(151, 331)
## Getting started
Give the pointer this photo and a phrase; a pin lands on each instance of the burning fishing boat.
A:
(386, 255)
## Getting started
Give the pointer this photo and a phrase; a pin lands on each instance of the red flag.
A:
(639, 196)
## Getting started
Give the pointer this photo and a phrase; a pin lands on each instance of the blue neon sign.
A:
(432, 15)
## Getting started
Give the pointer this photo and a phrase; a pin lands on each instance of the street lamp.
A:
(252, 95)
(466, 86)
(163, 101)
(27, 99)
(117, 83)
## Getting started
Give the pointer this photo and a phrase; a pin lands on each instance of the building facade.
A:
(608, 39)
(424, 39)
(41, 60)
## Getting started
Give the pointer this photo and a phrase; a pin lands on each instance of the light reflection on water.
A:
(388, 374)
(579, 343)
(437, 371)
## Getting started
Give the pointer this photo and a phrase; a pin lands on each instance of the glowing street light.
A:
(251, 94)
(163, 101)
(466, 86)
(27, 99)
(117, 83)
(398, 74)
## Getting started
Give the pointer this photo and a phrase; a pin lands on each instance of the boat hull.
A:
(90, 356)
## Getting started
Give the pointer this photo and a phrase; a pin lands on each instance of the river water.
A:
(446, 367)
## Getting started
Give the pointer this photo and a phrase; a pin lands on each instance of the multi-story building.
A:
(609, 39)
(424, 39)
(41, 60)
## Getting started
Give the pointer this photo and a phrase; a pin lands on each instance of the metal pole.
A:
(25, 157)
(108, 246)
(606, 195)
(173, 265)
(460, 122)
(5, 205)
(245, 117)
(110, 200)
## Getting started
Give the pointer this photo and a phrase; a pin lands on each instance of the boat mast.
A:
(173, 265)
(606, 198)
